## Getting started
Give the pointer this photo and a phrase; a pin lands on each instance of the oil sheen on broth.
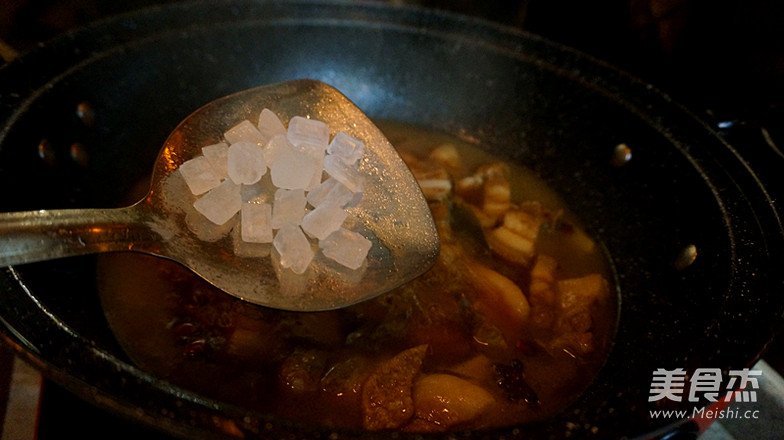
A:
(508, 327)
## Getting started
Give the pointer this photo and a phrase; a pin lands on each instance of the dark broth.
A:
(453, 330)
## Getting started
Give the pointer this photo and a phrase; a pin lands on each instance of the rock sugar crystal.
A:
(291, 187)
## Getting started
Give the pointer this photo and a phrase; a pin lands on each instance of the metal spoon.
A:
(393, 209)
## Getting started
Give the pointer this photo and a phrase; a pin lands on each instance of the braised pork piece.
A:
(508, 327)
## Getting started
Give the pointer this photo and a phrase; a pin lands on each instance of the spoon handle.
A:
(31, 236)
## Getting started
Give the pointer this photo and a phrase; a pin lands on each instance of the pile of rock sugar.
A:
(291, 187)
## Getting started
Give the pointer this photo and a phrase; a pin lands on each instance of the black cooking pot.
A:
(83, 118)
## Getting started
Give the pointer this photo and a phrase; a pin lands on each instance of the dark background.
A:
(724, 60)
(725, 57)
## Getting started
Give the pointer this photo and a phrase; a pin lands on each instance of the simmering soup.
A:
(508, 327)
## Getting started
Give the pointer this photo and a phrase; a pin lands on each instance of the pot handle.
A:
(760, 142)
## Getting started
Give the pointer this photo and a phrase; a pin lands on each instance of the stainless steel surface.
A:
(27, 237)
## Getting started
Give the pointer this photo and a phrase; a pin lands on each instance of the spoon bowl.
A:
(392, 212)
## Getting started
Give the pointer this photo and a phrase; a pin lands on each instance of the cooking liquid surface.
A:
(509, 326)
